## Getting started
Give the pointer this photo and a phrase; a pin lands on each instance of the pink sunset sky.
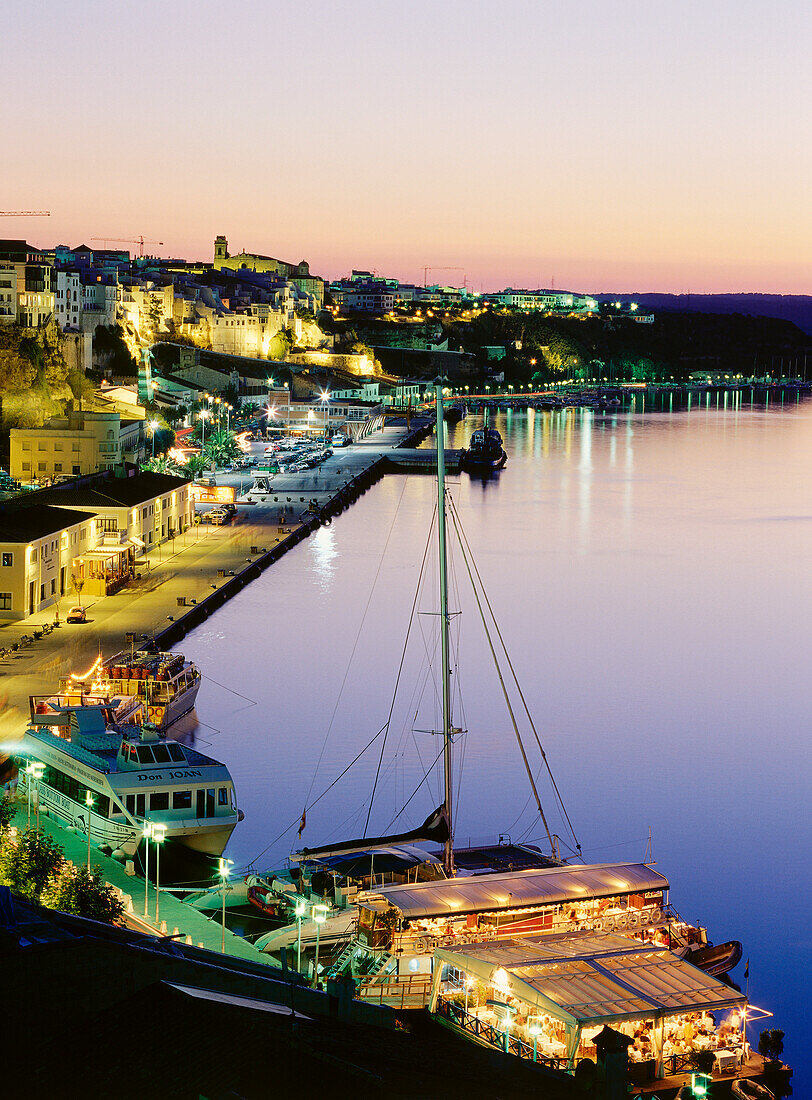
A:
(603, 145)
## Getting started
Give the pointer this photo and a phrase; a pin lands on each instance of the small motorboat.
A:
(748, 1089)
(715, 958)
(485, 451)
(264, 899)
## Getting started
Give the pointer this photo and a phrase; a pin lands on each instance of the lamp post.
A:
(158, 837)
(224, 870)
(534, 1027)
(325, 404)
(147, 835)
(203, 414)
(89, 800)
(319, 916)
(153, 425)
(468, 983)
(301, 906)
(34, 771)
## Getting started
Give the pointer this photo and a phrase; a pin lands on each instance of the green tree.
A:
(77, 890)
(27, 864)
(196, 465)
(6, 812)
(771, 1043)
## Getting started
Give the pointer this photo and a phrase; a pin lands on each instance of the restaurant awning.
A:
(516, 889)
(592, 978)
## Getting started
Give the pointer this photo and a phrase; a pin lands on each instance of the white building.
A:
(68, 300)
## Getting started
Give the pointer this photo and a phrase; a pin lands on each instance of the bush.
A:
(77, 890)
(27, 865)
(6, 812)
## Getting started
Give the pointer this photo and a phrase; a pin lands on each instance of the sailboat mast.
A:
(448, 854)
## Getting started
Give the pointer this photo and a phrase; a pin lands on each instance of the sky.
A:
(606, 145)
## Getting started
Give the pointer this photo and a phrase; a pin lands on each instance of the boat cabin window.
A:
(181, 800)
(145, 755)
(222, 796)
(159, 801)
(176, 753)
(161, 754)
(74, 790)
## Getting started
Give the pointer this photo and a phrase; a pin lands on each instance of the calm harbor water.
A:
(651, 578)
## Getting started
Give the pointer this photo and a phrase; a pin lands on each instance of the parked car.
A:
(77, 615)
(219, 516)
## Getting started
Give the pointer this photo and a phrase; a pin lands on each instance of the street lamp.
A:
(319, 916)
(153, 425)
(224, 870)
(158, 837)
(34, 771)
(534, 1027)
(203, 415)
(147, 835)
(325, 404)
(301, 906)
(89, 800)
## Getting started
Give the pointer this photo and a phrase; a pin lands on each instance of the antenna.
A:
(649, 861)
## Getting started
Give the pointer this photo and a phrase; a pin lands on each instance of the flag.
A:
(746, 968)
(303, 822)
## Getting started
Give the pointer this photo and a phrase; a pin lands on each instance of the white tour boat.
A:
(130, 776)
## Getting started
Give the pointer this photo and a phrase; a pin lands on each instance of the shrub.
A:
(27, 864)
(77, 890)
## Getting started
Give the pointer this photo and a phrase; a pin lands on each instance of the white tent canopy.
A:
(515, 889)
(587, 979)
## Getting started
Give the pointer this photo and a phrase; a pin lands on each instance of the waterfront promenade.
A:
(192, 569)
(176, 918)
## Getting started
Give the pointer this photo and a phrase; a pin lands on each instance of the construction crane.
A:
(140, 241)
(427, 269)
(25, 213)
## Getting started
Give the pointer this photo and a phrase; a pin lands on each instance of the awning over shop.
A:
(587, 979)
(516, 889)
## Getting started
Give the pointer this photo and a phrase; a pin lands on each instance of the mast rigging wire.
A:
(400, 670)
(464, 540)
(519, 741)
(354, 647)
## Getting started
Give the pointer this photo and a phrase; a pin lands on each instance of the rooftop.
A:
(116, 492)
(21, 520)
(517, 889)
(591, 978)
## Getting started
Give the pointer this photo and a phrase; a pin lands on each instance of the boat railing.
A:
(494, 1036)
(405, 993)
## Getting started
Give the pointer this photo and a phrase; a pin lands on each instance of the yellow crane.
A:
(140, 241)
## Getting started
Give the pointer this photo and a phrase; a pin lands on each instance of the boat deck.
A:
(668, 1087)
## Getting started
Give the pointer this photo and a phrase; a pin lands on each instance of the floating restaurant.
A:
(548, 998)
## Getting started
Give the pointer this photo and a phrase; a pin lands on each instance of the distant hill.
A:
(788, 307)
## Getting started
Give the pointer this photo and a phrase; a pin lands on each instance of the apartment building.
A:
(80, 541)
(75, 444)
(38, 546)
(27, 284)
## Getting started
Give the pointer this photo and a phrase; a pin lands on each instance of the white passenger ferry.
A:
(133, 777)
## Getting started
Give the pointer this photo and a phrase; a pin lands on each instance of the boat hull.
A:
(202, 837)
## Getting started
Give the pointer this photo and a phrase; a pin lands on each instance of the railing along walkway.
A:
(494, 1036)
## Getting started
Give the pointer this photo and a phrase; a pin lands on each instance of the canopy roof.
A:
(516, 889)
(593, 978)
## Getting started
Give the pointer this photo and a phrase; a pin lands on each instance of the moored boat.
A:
(114, 780)
(485, 451)
(166, 682)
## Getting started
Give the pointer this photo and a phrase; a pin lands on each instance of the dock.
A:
(177, 920)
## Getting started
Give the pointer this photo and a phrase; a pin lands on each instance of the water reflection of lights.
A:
(323, 551)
